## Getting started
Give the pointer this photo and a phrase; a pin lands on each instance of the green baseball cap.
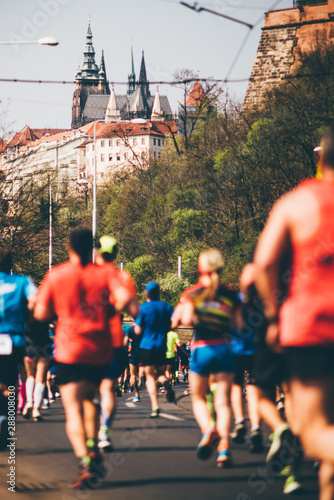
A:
(108, 244)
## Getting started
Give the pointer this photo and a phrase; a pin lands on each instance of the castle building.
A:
(93, 100)
(286, 32)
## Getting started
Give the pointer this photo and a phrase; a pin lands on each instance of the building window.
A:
(118, 142)
(102, 144)
(118, 158)
(102, 174)
(143, 141)
(125, 156)
(143, 155)
(158, 142)
(110, 143)
(102, 157)
(158, 155)
(154, 155)
(154, 142)
(110, 157)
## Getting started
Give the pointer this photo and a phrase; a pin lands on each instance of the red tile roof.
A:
(161, 129)
(196, 95)
(28, 135)
(3, 145)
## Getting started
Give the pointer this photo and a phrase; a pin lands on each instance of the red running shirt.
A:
(307, 315)
(81, 298)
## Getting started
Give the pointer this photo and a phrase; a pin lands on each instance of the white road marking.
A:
(130, 405)
(130, 399)
(171, 417)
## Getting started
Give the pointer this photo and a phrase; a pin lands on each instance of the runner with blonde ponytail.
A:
(211, 308)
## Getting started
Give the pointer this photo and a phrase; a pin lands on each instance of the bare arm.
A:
(42, 312)
(137, 330)
(272, 246)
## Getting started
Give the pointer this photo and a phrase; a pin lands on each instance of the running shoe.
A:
(136, 399)
(86, 479)
(96, 464)
(46, 404)
(105, 444)
(36, 415)
(57, 394)
(3, 432)
(27, 411)
(292, 485)
(239, 432)
(205, 447)
(155, 413)
(256, 441)
(119, 392)
(224, 458)
(284, 450)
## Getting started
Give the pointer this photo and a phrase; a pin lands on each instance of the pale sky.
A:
(172, 36)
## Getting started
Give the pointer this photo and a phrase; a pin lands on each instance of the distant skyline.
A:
(172, 36)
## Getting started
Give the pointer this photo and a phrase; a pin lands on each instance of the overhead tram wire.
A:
(243, 44)
(161, 82)
(198, 9)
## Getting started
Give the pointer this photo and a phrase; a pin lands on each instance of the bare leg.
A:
(269, 412)
(73, 395)
(236, 402)
(108, 400)
(199, 387)
(150, 373)
(253, 405)
(134, 378)
(326, 481)
(313, 416)
(222, 404)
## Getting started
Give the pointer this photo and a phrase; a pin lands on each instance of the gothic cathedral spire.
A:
(131, 76)
(143, 82)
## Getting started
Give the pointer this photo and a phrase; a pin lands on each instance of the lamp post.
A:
(52, 42)
(80, 181)
(94, 214)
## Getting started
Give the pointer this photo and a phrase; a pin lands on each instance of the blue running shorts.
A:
(209, 359)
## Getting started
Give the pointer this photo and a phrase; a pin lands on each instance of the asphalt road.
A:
(154, 459)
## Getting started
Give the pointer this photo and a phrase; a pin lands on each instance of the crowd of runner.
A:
(273, 341)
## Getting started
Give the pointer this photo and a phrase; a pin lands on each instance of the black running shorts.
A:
(269, 368)
(67, 373)
(152, 357)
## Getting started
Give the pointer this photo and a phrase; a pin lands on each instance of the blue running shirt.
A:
(154, 320)
(14, 292)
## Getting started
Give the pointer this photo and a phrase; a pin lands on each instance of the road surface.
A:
(154, 459)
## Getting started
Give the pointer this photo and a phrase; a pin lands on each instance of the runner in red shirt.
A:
(302, 224)
(82, 296)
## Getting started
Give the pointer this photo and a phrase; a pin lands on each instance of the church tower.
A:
(132, 76)
(143, 82)
(89, 79)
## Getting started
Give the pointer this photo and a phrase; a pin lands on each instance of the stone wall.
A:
(185, 334)
(285, 33)
(272, 63)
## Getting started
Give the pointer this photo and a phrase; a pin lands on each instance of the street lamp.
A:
(41, 41)
(80, 181)
(94, 214)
